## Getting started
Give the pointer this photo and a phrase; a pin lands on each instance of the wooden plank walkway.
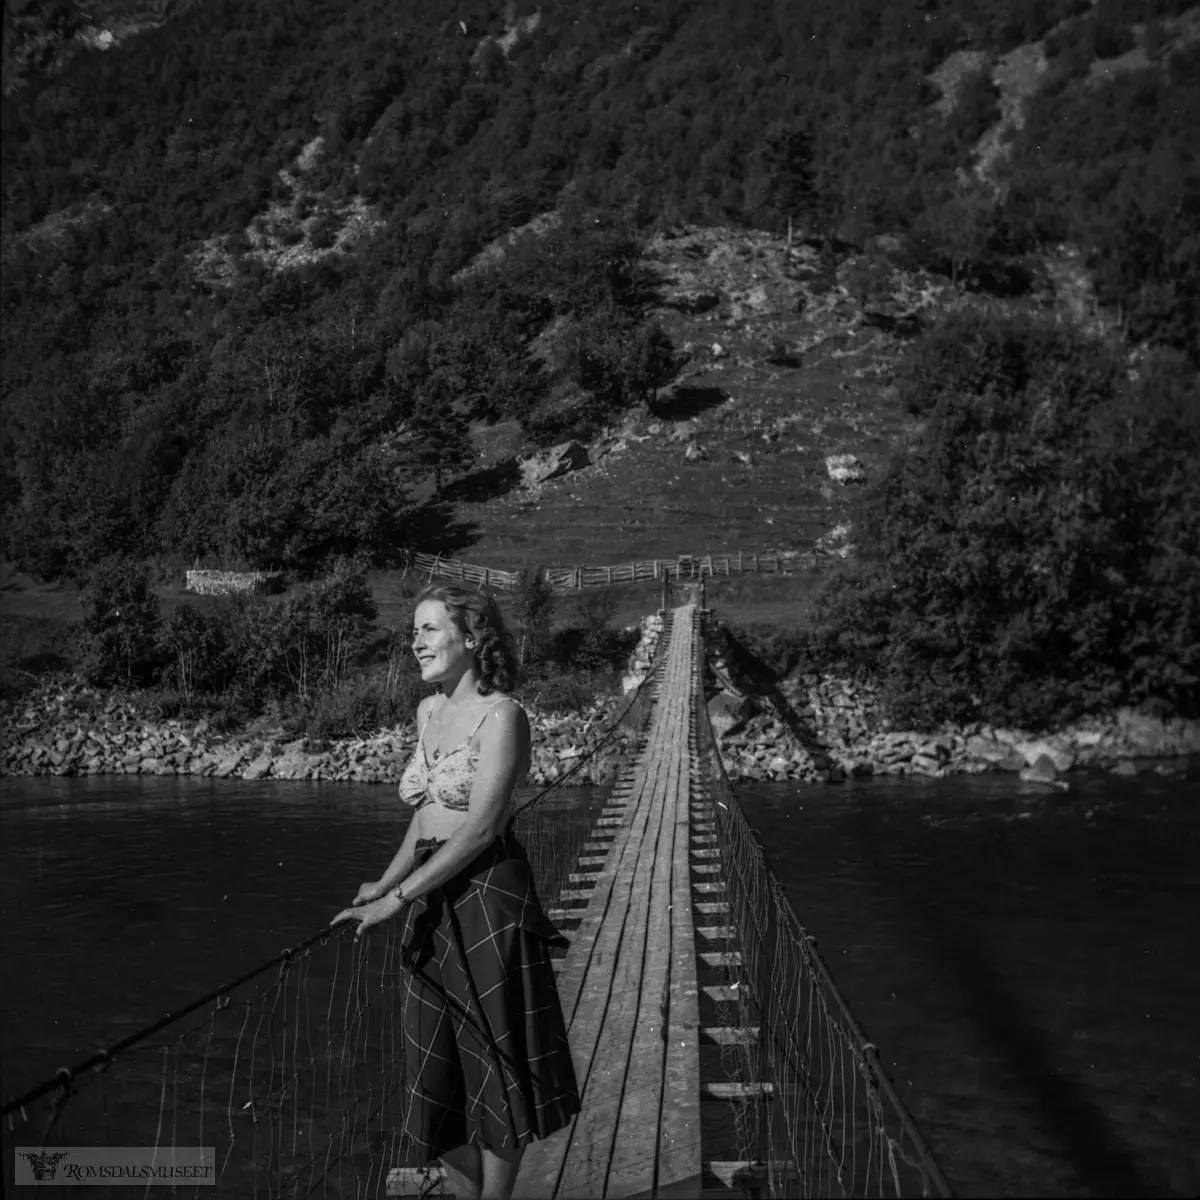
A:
(628, 983)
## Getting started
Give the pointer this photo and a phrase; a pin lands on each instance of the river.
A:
(1027, 962)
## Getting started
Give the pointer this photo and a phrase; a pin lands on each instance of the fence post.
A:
(665, 587)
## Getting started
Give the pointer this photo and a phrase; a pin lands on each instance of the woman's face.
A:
(440, 648)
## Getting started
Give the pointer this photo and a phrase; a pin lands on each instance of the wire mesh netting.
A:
(818, 1115)
(293, 1073)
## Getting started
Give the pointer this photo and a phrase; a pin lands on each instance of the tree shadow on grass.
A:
(683, 403)
(433, 529)
(486, 484)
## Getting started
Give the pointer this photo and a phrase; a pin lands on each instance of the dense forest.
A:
(150, 410)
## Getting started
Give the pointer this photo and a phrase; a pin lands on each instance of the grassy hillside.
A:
(285, 281)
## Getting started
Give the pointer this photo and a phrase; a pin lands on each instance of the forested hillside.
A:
(173, 388)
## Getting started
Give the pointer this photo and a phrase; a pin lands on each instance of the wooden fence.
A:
(571, 579)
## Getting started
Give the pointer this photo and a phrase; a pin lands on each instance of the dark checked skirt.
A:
(486, 1054)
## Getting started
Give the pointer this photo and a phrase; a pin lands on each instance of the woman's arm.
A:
(399, 868)
(503, 752)
(402, 864)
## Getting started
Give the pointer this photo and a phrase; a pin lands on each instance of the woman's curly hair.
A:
(477, 615)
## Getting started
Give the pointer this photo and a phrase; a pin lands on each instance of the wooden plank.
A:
(603, 1031)
(633, 1169)
(628, 1105)
(730, 1090)
(588, 961)
(679, 1164)
(418, 1181)
(632, 965)
(721, 993)
(597, 847)
(716, 932)
(730, 1035)
(749, 1177)
(718, 959)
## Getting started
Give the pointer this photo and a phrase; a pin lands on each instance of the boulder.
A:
(1152, 736)
(1057, 749)
(729, 713)
(995, 753)
(258, 768)
(1126, 770)
(229, 764)
(692, 300)
(844, 468)
(1042, 771)
(694, 452)
(549, 464)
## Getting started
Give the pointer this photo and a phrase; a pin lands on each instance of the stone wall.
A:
(643, 652)
(231, 583)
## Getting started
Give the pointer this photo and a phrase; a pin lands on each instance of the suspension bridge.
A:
(714, 1052)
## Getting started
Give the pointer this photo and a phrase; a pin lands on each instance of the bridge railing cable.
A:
(824, 1118)
(294, 1071)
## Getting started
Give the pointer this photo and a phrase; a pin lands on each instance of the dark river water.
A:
(1029, 965)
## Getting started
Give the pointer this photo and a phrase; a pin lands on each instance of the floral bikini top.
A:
(447, 780)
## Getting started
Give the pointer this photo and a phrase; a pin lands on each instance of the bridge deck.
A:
(628, 984)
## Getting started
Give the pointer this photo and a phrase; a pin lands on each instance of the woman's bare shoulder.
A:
(508, 712)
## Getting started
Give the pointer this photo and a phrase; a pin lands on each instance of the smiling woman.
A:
(480, 1005)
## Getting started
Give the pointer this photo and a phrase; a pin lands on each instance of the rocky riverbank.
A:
(76, 730)
(813, 729)
(71, 729)
(824, 729)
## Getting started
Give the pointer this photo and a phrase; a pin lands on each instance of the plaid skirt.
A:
(486, 1053)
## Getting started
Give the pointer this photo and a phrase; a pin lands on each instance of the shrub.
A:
(117, 636)
(1111, 36)
(323, 628)
(358, 707)
(533, 609)
(967, 354)
(1036, 554)
(564, 693)
(195, 646)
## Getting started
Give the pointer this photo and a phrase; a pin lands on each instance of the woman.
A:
(487, 1064)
